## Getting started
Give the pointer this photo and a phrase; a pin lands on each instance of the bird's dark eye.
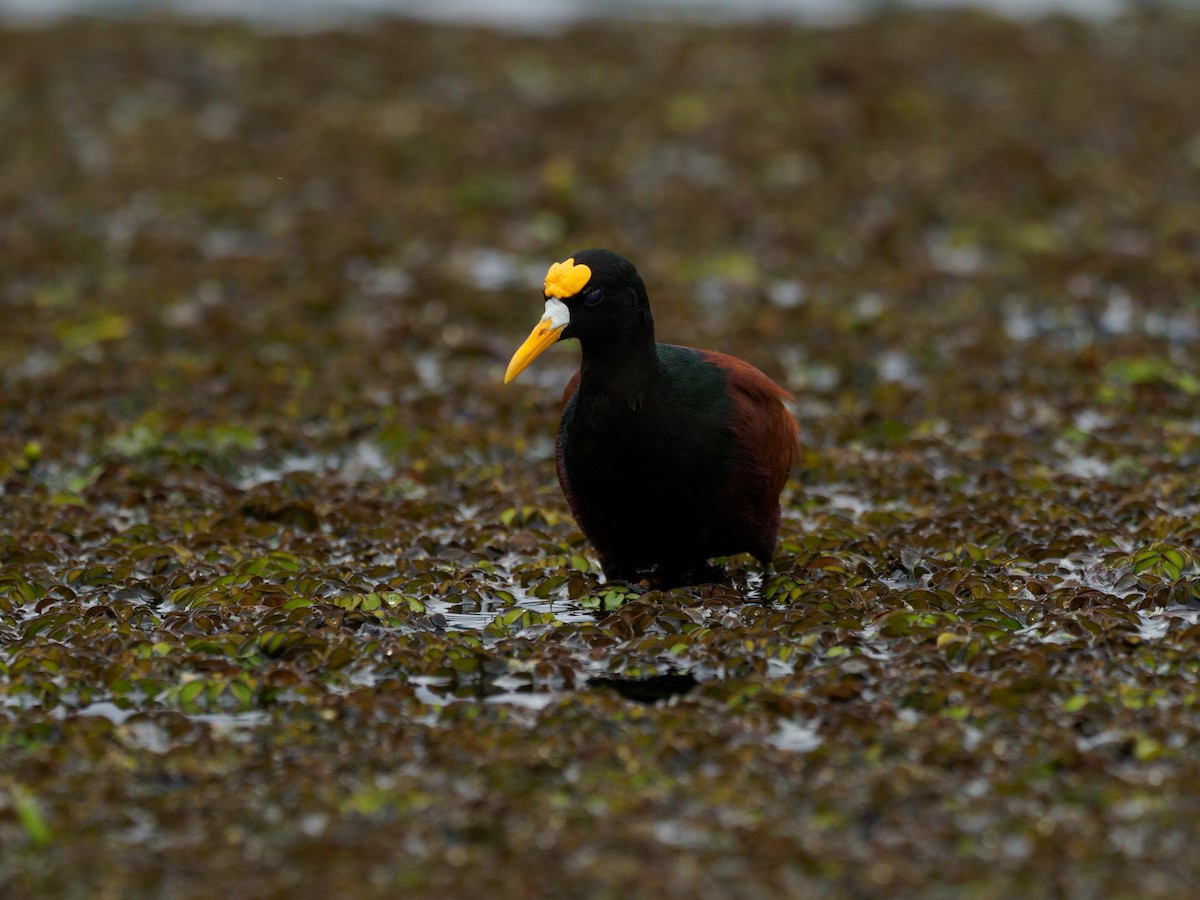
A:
(592, 297)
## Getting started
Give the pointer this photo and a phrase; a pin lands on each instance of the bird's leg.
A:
(675, 574)
(668, 577)
(710, 574)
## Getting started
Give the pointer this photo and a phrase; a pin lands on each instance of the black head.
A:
(612, 303)
(595, 296)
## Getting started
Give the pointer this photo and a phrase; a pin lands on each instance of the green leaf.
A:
(243, 693)
(189, 693)
(1076, 703)
(29, 811)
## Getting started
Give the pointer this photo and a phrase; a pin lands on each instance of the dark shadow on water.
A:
(648, 690)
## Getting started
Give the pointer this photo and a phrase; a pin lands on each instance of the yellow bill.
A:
(546, 332)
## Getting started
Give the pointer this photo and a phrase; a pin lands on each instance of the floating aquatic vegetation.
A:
(290, 601)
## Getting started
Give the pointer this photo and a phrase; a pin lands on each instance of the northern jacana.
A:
(668, 456)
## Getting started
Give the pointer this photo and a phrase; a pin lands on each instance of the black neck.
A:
(623, 372)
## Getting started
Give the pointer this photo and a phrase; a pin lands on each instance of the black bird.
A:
(667, 455)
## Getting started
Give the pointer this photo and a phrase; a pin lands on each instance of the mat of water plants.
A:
(290, 600)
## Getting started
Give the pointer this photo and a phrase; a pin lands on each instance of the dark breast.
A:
(644, 480)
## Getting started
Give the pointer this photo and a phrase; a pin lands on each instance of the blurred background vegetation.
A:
(290, 602)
